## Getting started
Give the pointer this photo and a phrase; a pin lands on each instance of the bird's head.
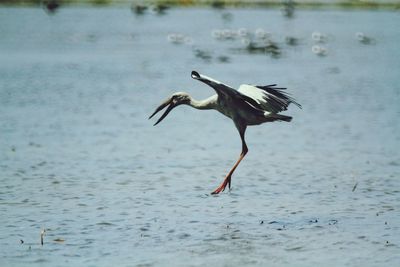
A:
(175, 100)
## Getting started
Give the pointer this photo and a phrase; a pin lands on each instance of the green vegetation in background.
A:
(306, 4)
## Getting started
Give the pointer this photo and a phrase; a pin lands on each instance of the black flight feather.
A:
(278, 100)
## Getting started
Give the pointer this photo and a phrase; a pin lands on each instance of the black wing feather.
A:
(275, 99)
(278, 100)
(240, 99)
(225, 91)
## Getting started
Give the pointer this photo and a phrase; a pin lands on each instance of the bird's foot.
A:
(222, 187)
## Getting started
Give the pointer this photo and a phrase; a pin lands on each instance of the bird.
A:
(247, 106)
(362, 38)
(51, 6)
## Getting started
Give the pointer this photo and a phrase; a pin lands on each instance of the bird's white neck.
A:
(208, 103)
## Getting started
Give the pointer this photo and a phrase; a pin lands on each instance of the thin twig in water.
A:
(42, 235)
(354, 187)
(356, 183)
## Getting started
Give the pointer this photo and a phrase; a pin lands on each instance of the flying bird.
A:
(249, 105)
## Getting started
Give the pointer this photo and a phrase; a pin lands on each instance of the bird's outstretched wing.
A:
(228, 92)
(269, 97)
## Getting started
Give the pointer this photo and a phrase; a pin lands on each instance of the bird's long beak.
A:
(167, 102)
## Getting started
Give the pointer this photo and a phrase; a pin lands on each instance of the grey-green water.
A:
(80, 159)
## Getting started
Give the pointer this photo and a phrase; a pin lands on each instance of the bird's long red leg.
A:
(227, 180)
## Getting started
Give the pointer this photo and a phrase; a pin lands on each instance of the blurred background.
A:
(86, 180)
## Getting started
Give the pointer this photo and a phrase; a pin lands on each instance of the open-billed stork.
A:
(249, 105)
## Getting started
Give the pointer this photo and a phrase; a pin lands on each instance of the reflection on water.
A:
(81, 161)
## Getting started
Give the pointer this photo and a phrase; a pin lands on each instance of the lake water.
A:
(80, 159)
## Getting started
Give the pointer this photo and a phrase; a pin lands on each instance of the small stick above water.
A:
(42, 236)
(354, 187)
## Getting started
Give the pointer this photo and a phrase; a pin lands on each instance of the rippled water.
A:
(80, 159)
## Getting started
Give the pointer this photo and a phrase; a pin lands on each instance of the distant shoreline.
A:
(302, 4)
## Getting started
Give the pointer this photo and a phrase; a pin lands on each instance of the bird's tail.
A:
(279, 117)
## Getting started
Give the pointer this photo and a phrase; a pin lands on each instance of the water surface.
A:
(80, 159)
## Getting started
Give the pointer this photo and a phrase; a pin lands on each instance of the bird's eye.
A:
(175, 98)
